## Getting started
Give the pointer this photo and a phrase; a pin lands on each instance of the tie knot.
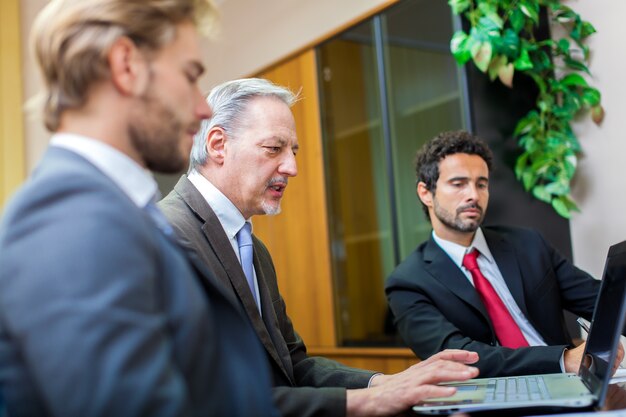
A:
(244, 236)
(469, 260)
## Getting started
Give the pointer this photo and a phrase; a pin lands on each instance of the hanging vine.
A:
(501, 42)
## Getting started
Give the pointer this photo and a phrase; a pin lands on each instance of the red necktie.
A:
(507, 331)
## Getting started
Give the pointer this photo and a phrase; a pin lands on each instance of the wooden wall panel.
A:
(12, 162)
(298, 237)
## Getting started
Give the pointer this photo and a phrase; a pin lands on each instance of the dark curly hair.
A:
(430, 155)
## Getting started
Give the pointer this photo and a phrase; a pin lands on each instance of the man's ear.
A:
(424, 194)
(215, 144)
(128, 66)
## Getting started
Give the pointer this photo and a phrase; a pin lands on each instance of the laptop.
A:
(555, 391)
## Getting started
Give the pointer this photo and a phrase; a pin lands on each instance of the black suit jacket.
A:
(304, 385)
(436, 307)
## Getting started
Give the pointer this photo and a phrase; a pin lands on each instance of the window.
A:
(387, 86)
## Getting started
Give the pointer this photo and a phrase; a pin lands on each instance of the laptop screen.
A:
(596, 367)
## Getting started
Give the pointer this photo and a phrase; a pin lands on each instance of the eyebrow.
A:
(467, 179)
(283, 142)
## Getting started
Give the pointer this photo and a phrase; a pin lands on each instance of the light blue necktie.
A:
(244, 241)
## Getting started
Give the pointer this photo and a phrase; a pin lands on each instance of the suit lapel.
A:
(270, 319)
(439, 265)
(504, 255)
(231, 274)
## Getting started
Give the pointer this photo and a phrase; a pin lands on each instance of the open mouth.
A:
(277, 187)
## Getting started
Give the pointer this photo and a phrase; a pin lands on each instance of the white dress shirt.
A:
(135, 181)
(229, 216)
(492, 273)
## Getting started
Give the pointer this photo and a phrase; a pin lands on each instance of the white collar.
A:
(457, 252)
(136, 182)
(228, 214)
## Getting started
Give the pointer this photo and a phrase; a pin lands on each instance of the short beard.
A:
(155, 132)
(455, 222)
(269, 209)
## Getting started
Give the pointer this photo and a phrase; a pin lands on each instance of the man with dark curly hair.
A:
(496, 290)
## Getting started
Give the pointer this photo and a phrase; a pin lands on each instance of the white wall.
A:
(253, 34)
(256, 33)
(600, 183)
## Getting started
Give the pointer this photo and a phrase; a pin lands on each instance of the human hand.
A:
(572, 358)
(393, 394)
(455, 355)
(615, 398)
(618, 357)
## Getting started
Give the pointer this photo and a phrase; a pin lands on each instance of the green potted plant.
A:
(500, 41)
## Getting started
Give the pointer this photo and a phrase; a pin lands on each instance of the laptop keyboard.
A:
(516, 389)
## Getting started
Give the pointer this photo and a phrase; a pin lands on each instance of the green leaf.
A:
(482, 55)
(563, 46)
(566, 15)
(542, 164)
(569, 164)
(540, 193)
(574, 79)
(458, 47)
(531, 9)
(479, 35)
(529, 179)
(489, 26)
(577, 65)
(587, 29)
(591, 96)
(558, 188)
(520, 165)
(510, 43)
(523, 62)
(459, 6)
(526, 124)
(517, 19)
(490, 12)
(542, 61)
(560, 207)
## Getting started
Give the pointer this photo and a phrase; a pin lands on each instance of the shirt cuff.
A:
(369, 383)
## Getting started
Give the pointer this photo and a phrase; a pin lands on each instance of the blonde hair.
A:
(71, 40)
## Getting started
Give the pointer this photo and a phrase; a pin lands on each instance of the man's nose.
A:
(288, 166)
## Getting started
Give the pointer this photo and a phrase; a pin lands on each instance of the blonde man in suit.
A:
(101, 312)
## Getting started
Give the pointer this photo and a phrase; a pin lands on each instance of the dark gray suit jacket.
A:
(304, 385)
(436, 307)
(101, 314)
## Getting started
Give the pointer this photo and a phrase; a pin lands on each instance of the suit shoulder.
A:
(512, 233)
(414, 261)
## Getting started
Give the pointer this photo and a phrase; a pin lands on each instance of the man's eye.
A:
(273, 149)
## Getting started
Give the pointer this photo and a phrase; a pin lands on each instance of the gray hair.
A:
(229, 101)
